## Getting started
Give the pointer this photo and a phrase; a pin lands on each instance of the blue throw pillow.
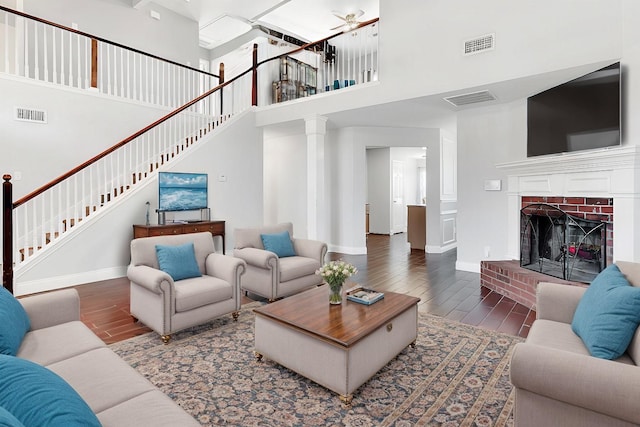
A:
(37, 396)
(278, 243)
(14, 323)
(8, 420)
(178, 261)
(608, 314)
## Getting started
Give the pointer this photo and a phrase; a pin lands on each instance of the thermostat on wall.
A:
(492, 185)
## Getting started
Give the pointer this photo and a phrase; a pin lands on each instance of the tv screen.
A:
(581, 114)
(182, 191)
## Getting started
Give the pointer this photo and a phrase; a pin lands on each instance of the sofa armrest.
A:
(227, 268)
(557, 302)
(257, 257)
(149, 277)
(52, 308)
(604, 386)
(310, 249)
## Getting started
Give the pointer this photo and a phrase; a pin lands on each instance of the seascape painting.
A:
(182, 191)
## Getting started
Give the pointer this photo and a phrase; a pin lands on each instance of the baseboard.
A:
(440, 249)
(472, 267)
(348, 250)
(59, 282)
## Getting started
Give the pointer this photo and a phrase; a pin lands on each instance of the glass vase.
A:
(335, 293)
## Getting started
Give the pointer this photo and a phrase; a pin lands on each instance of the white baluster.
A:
(36, 51)
(71, 59)
(6, 42)
(54, 55)
(79, 62)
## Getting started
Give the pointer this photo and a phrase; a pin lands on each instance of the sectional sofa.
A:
(59, 341)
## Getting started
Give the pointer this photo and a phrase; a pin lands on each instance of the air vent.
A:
(479, 44)
(470, 98)
(31, 115)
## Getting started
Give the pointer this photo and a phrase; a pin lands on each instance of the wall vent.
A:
(470, 98)
(479, 44)
(31, 115)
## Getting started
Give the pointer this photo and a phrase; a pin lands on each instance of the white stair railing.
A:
(44, 51)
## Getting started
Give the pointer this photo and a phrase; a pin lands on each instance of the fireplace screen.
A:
(561, 245)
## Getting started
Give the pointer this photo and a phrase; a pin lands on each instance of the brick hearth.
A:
(509, 279)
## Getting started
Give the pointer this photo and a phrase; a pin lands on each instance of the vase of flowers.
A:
(334, 274)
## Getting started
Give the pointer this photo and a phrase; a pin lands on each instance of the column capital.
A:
(315, 124)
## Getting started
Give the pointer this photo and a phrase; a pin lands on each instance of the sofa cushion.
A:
(38, 397)
(278, 243)
(102, 378)
(154, 407)
(8, 420)
(179, 261)
(49, 345)
(559, 336)
(194, 293)
(294, 267)
(608, 314)
(14, 323)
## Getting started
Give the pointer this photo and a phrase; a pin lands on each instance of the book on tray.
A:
(364, 295)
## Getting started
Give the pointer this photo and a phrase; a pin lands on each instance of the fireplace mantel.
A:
(582, 161)
(612, 173)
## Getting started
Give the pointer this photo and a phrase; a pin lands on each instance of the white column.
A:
(317, 215)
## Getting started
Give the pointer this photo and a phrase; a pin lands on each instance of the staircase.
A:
(46, 216)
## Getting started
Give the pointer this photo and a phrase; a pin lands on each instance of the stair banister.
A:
(7, 234)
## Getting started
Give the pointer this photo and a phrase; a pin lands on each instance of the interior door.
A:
(399, 209)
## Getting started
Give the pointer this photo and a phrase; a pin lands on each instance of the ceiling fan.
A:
(350, 19)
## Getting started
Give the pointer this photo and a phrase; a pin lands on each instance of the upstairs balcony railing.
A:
(38, 220)
(45, 51)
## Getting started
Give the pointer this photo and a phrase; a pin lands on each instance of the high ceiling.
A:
(223, 20)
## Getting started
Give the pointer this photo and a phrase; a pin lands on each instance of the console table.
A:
(216, 228)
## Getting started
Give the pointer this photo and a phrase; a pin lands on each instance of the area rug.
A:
(457, 375)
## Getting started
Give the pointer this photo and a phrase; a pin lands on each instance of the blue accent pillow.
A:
(278, 243)
(608, 314)
(179, 261)
(8, 420)
(14, 323)
(37, 396)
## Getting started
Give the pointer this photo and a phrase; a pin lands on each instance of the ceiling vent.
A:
(479, 44)
(470, 98)
(30, 115)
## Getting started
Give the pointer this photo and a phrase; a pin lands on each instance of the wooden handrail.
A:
(100, 39)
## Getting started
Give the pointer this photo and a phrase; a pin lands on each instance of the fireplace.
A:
(559, 244)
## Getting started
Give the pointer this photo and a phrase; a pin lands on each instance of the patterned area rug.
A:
(457, 375)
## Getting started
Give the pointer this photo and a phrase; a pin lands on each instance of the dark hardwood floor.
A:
(390, 265)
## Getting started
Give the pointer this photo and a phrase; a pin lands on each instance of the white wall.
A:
(80, 125)
(173, 37)
(99, 249)
(486, 137)
(379, 190)
(285, 180)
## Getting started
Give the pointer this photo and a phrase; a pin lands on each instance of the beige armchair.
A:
(558, 383)
(168, 306)
(271, 276)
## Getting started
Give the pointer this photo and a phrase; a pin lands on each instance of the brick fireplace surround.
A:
(582, 183)
(509, 279)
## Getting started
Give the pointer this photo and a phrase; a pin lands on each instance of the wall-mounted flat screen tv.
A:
(581, 114)
(180, 191)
